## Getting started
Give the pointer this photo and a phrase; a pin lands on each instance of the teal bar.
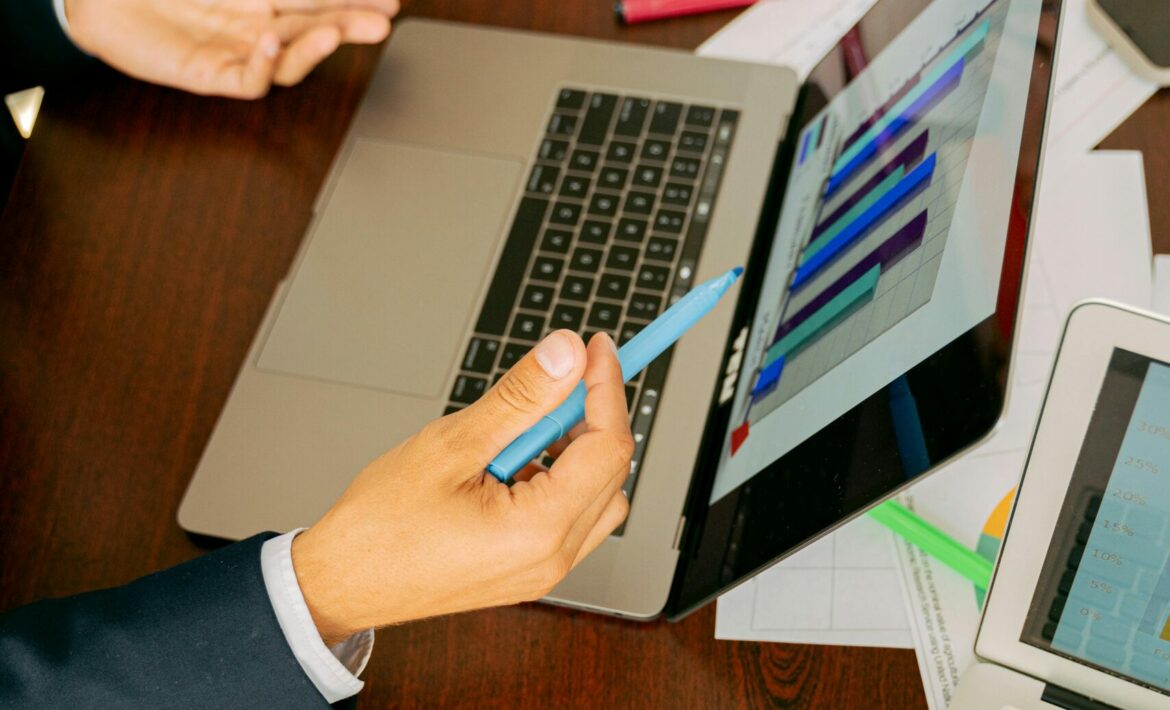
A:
(955, 55)
(854, 212)
(862, 288)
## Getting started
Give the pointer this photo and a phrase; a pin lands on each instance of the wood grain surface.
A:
(140, 245)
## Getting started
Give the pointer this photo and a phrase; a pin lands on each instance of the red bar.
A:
(738, 436)
(633, 11)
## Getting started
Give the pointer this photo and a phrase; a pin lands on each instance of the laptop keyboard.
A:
(607, 234)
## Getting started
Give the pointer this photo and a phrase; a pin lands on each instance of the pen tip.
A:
(738, 271)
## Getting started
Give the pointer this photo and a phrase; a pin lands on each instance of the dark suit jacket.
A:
(34, 50)
(200, 635)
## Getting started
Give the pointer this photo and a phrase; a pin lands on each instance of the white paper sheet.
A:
(1161, 299)
(843, 590)
(1095, 90)
(792, 33)
(1091, 240)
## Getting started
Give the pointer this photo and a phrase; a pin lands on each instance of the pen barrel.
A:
(531, 443)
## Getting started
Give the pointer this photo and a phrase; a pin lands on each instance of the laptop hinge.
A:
(1067, 699)
(682, 523)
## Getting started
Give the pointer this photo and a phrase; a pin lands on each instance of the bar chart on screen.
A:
(873, 251)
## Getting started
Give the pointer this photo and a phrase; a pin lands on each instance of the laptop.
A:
(496, 185)
(1078, 614)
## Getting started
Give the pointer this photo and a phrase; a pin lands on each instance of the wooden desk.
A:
(138, 251)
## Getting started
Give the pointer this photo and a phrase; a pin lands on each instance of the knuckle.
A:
(518, 392)
(442, 433)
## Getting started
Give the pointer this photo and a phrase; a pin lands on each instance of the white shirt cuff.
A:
(333, 670)
(59, 8)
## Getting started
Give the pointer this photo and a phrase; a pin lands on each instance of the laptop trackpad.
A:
(391, 278)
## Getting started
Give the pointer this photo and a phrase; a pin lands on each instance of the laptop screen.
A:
(1103, 596)
(878, 310)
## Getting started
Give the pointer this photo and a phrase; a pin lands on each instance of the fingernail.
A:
(612, 345)
(555, 355)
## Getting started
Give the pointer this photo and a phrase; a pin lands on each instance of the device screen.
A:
(1145, 22)
(873, 334)
(1104, 591)
(891, 236)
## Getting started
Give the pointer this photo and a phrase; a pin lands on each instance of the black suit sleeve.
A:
(200, 635)
(34, 50)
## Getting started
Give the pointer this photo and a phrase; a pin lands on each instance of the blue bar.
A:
(938, 90)
(959, 52)
(769, 376)
(847, 236)
(804, 147)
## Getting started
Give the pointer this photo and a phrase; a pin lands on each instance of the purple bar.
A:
(940, 89)
(804, 147)
(910, 154)
(889, 253)
(881, 111)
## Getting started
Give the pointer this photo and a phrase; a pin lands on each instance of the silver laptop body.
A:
(362, 344)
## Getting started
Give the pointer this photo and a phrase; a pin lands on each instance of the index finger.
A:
(597, 458)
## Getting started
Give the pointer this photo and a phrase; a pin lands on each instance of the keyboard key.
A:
(603, 204)
(692, 142)
(527, 327)
(614, 286)
(556, 240)
(677, 194)
(647, 176)
(468, 389)
(451, 409)
(597, 119)
(654, 149)
(628, 331)
(553, 150)
(505, 286)
(595, 231)
(547, 268)
(566, 316)
(631, 397)
(620, 152)
(565, 213)
(512, 354)
(639, 202)
(604, 315)
(661, 249)
(543, 179)
(537, 298)
(631, 230)
(562, 125)
(655, 278)
(687, 168)
(665, 118)
(612, 178)
(644, 306)
(584, 160)
(496, 378)
(571, 99)
(669, 221)
(481, 355)
(631, 117)
(585, 259)
(575, 187)
(577, 288)
(701, 116)
(622, 258)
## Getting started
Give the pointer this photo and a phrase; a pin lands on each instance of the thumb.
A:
(535, 385)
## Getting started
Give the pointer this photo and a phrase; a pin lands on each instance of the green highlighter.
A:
(934, 542)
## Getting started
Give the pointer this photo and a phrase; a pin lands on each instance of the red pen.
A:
(632, 11)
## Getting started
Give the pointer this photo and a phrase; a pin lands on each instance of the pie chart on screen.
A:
(992, 536)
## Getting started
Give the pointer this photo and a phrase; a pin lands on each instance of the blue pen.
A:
(634, 356)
